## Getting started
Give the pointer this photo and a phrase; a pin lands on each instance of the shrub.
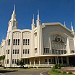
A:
(57, 66)
(70, 73)
(64, 72)
(59, 71)
(21, 63)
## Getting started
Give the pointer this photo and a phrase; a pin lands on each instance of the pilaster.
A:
(68, 47)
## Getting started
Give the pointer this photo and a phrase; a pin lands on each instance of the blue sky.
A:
(50, 11)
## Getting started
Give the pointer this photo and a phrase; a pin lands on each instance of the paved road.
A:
(24, 72)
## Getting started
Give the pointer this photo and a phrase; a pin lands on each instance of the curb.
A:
(43, 73)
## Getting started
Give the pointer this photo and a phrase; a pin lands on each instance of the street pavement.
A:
(25, 71)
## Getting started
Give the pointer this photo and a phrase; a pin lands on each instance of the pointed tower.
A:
(38, 20)
(72, 29)
(33, 24)
(12, 23)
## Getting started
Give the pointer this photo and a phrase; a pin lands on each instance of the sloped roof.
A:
(58, 23)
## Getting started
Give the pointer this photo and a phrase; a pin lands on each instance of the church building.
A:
(43, 45)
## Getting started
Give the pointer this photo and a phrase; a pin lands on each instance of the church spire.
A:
(14, 7)
(72, 28)
(13, 22)
(38, 19)
(13, 17)
(33, 20)
(33, 24)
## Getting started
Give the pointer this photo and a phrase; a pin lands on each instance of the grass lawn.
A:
(58, 73)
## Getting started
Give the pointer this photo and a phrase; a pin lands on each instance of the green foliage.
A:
(64, 72)
(57, 66)
(21, 63)
(70, 73)
(2, 57)
(57, 71)
(18, 62)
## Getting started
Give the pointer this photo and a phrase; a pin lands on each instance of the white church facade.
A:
(44, 45)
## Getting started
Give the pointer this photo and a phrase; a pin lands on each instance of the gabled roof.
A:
(57, 23)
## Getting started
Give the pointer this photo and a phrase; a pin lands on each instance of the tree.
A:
(2, 58)
(20, 62)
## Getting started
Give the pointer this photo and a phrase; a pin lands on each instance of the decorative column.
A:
(34, 61)
(68, 47)
(30, 62)
(67, 59)
(56, 60)
(74, 43)
(62, 60)
(39, 61)
(11, 46)
(50, 45)
(48, 61)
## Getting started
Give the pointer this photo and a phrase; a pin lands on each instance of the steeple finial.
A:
(72, 27)
(14, 7)
(64, 23)
(33, 19)
(13, 14)
(38, 18)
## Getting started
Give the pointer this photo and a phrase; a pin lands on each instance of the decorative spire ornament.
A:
(72, 29)
(64, 23)
(38, 18)
(33, 20)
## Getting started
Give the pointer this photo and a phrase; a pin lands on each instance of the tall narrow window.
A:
(12, 61)
(8, 41)
(18, 41)
(46, 50)
(13, 41)
(28, 51)
(18, 51)
(13, 51)
(7, 61)
(28, 41)
(15, 61)
(23, 51)
(8, 51)
(23, 41)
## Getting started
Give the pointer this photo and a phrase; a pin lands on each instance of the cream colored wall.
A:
(46, 36)
(16, 35)
(49, 30)
(26, 35)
